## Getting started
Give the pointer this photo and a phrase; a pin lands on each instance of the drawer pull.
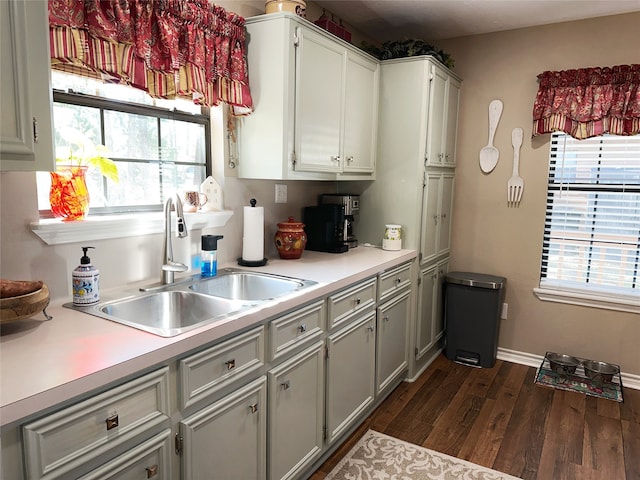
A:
(112, 421)
(152, 471)
(302, 328)
(286, 385)
(253, 408)
(358, 301)
(398, 281)
(386, 318)
(371, 328)
(231, 364)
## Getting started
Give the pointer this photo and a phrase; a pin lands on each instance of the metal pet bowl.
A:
(600, 371)
(563, 364)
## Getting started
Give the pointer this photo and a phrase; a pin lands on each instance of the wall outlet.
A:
(505, 310)
(281, 193)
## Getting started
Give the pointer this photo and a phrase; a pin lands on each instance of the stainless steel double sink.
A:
(171, 310)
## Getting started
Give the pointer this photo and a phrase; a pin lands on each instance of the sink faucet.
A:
(169, 266)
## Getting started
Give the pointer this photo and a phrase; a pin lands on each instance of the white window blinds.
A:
(592, 227)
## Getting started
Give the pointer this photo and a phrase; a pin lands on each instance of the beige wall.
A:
(492, 238)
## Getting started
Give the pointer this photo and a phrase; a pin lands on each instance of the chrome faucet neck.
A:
(170, 266)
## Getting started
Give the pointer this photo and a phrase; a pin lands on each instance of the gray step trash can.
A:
(472, 310)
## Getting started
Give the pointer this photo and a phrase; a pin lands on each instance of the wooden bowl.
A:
(13, 309)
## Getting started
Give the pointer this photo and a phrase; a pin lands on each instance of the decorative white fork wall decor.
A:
(515, 185)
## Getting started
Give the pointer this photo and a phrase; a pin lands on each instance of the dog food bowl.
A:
(600, 371)
(563, 364)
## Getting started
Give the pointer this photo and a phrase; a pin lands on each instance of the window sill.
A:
(56, 232)
(621, 304)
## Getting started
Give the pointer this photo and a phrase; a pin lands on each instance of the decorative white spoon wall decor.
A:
(489, 155)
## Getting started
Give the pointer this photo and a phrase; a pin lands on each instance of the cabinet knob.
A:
(357, 301)
(152, 471)
(286, 385)
(443, 216)
(112, 421)
(302, 328)
(335, 158)
(350, 159)
(253, 408)
(231, 364)
(385, 318)
(371, 328)
(398, 281)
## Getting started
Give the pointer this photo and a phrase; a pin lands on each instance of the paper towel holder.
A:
(251, 263)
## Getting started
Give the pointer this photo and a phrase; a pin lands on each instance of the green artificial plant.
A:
(81, 151)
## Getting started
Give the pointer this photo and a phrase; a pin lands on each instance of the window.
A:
(592, 227)
(159, 146)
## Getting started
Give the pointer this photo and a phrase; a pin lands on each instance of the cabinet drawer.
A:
(394, 281)
(151, 459)
(354, 299)
(206, 372)
(60, 442)
(295, 329)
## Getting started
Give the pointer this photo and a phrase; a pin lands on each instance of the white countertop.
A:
(44, 363)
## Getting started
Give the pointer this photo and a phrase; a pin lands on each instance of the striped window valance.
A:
(168, 48)
(589, 102)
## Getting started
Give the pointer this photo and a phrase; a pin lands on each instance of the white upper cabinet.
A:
(315, 100)
(26, 135)
(443, 118)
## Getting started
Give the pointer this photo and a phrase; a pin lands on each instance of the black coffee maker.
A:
(326, 228)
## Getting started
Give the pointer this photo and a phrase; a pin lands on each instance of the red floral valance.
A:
(168, 48)
(589, 102)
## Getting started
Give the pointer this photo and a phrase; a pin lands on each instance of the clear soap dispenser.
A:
(85, 280)
(209, 255)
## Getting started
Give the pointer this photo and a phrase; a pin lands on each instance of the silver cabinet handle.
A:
(371, 328)
(231, 364)
(385, 318)
(335, 158)
(350, 159)
(253, 408)
(286, 385)
(357, 301)
(152, 471)
(112, 421)
(302, 328)
(398, 281)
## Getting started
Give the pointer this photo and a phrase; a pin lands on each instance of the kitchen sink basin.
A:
(169, 310)
(250, 286)
(169, 313)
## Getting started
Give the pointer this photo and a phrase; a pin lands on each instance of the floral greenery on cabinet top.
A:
(411, 47)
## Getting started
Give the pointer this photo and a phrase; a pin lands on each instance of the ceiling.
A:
(433, 20)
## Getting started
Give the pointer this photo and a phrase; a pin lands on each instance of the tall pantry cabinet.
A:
(415, 171)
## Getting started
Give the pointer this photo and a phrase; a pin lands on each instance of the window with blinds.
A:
(592, 227)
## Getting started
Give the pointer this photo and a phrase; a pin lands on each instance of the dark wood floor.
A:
(499, 418)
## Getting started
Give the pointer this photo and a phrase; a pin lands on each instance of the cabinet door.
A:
(350, 374)
(430, 216)
(296, 413)
(450, 134)
(319, 100)
(360, 114)
(391, 352)
(26, 139)
(437, 111)
(429, 324)
(445, 208)
(227, 440)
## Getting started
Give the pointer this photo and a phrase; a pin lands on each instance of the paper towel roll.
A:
(253, 239)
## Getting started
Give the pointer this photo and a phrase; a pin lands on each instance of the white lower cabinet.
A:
(391, 349)
(430, 320)
(350, 373)
(296, 413)
(227, 440)
(71, 441)
(151, 459)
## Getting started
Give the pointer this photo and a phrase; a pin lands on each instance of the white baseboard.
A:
(628, 380)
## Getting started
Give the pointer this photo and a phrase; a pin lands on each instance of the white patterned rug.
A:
(381, 457)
